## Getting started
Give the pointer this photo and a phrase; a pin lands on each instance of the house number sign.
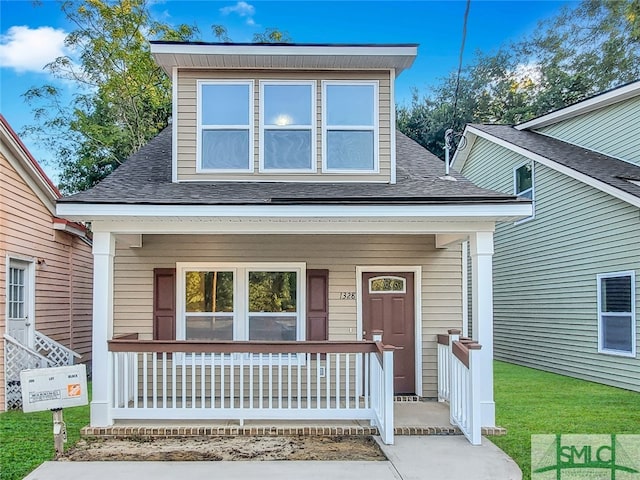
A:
(347, 295)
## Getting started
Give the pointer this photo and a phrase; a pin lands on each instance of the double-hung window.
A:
(523, 184)
(350, 127)
(225, 126)
(226, 302)
(616, 313)
(287, 126)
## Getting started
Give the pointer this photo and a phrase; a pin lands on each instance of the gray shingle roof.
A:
(145, 178)
(612, 171)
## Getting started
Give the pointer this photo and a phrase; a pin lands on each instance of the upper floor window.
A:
(287, 126)
(225, 126)
(616, 313)
(523, 184)
(350, 127)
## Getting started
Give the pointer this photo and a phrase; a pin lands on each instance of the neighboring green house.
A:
(565, 279)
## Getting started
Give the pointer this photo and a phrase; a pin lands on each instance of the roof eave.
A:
(285, 56)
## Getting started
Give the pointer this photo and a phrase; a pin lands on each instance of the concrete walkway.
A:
(412, 457)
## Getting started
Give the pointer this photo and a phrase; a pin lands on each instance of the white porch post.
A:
(103, 252)
(481, 245)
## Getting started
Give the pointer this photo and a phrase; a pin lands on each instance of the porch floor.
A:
(411, 418)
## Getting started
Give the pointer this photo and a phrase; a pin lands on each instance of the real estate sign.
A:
(54, 388)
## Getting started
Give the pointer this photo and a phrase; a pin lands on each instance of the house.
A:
(45, 273)
(246, 257)
(565, 278)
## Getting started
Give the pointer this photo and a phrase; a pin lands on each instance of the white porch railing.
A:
(180, 380)
(58, 354)
(459, 382)
(18, 357)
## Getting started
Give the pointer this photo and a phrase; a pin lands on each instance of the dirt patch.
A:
(225, 448)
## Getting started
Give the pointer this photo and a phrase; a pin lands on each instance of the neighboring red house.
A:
(46, 272)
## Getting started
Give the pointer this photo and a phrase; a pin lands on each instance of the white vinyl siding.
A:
(612, 130)
(545, 293)
(441, 276)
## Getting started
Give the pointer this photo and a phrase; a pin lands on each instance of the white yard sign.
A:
(54, 388)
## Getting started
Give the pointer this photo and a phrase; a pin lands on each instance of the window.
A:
(287, 135)
(616, 314)
(241, 302)
(225, 126)
(387, 285)
(350, 127)
(523, 184)
(209, 306)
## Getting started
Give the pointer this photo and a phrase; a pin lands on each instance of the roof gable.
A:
(610, 175)
(27, 167)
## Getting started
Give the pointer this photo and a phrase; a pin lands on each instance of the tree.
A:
(122, 98)
(580, 52)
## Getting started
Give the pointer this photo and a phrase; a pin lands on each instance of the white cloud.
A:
(29, 50)
(242, 9)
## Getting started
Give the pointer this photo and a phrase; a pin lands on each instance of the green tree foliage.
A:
(582, 51)
(121, 97)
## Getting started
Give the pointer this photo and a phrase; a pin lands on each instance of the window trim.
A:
(601, 349)
(312, 127)
(241, 293)
(200, 126)
(375, 128)
(532, 189)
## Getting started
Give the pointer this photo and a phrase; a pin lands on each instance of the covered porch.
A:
(348, 376)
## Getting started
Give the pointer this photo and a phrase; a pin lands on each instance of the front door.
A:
(19, 322)
(388, 305)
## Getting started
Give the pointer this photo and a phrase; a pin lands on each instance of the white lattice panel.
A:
(18, 358)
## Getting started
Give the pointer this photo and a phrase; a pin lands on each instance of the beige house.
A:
(245, 256)
(45, 273)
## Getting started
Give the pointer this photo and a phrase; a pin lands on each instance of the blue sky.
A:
(31, 36)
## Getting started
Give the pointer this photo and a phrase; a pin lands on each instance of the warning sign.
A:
(52, 388)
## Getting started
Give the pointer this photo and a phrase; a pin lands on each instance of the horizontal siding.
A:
(545, 303)
(187, 123)
(65, 276)
(441, 278)
(612, 130)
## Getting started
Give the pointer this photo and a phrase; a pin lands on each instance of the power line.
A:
(464, 39)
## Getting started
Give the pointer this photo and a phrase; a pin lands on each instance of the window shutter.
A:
(164, 303)
(318, 305)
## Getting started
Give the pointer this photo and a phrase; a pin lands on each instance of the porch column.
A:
(481, 247)
(103, 252)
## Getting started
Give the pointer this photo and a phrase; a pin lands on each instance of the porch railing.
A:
(180, 380)
(18, 357)
(58, 354)
(459, 382)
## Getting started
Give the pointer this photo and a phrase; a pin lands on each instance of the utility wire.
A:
(464, 38)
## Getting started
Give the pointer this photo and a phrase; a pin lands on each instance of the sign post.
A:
(54, 389)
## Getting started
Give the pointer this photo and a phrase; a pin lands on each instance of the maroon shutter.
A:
(164, 303)
(317, 305)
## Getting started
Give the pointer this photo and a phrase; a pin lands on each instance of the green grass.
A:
(530, 402)
(26, 439)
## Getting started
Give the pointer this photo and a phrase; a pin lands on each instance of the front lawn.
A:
(26, 439)
(530, 402)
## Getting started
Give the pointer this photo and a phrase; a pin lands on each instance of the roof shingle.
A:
(145, 178)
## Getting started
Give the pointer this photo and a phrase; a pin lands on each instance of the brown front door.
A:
(388, 305)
